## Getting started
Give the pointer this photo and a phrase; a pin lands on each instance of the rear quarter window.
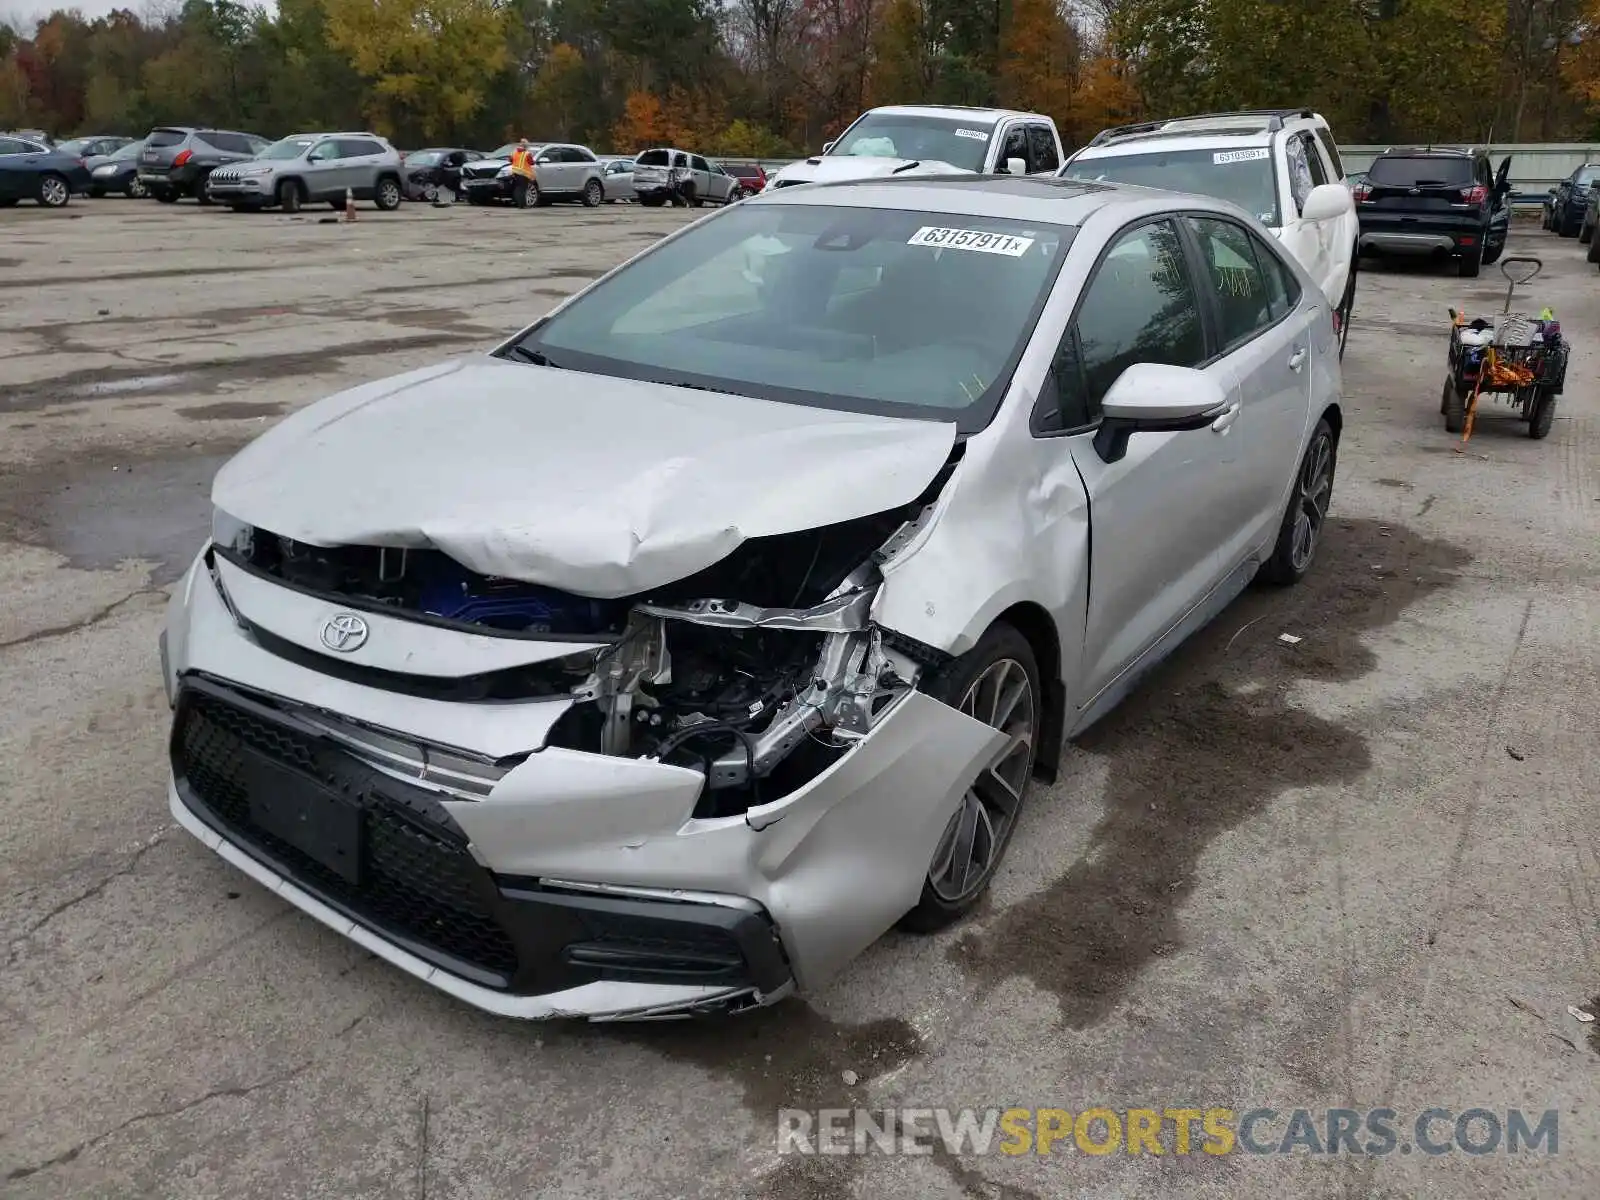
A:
(652, 158)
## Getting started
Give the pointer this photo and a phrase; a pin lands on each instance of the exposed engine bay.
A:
(759, 693)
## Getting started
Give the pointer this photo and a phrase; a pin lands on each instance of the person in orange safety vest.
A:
(522, 187)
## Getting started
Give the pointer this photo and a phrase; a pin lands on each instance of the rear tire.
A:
(594, 194)
(1594, 251)
(652, 201)
(1454, 408)
(1304, 520)
(1586, 234)
(291, 196)
(165, 195)
(136, 189)
(1491, 254)
(1544, 415)
(1470, 263)
(1347, 305)
(201, 195)
(996, 682)
(1567, 227)
(387, 194)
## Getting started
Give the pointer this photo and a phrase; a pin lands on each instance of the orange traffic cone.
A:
(349, 204)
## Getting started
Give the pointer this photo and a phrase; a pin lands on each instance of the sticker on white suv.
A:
(1222, 157)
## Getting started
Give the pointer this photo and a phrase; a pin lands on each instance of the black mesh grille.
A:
(420, 882)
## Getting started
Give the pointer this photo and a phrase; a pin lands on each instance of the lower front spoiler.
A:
(603, 1000)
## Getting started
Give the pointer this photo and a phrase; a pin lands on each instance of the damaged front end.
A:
(703, 794)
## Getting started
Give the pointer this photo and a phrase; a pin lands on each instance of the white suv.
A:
(1281, 165)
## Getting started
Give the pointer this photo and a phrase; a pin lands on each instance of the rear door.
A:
(11, 169)
(360, 160)
(1161, 514)
(1263, 337)
(706, 182)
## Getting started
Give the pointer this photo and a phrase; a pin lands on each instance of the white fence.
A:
(1536, 167)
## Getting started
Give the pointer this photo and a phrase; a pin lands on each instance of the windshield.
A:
(131, 150)
(75, 146)
(289, 147)
(925, 139)
(505, 151)
(424, 158)
(1434, 170)
(876, 310)
(1243, 176)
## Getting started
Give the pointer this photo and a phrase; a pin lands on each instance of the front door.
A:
(1161, 515)
(11, 169)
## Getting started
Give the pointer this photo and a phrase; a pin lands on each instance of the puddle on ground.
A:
(133, 383)
(231, 410)
(1395, 483)
(1207, 742)
(156, 510)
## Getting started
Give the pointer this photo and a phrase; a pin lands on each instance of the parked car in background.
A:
(1446, 203)
(37, 136)
(305, 168)
(405, 667)
(1280, 165)
(617, 177)
(33, 171)
(752, 178)
(561, 172)
(94, 150)
(663, 175)
(1589, 227)
(1563, 214)
(178, 159)
(427, 171)
(118, 173)
(933, 139)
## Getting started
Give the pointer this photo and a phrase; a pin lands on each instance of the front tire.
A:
(1567, 227)
(1586, 234)
(1347, 305)
(291, 196)
(202, 193)
(1593, 254)
(136, 189)
(996, 682)
(1307, 514)
(1544, 415)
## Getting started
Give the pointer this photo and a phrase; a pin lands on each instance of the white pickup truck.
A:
(933, 139)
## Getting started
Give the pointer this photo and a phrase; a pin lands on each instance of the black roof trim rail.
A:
(1275, 119)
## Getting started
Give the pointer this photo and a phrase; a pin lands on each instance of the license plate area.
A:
(315, 820)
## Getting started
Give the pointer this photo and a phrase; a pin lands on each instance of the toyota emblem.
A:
(344, 633)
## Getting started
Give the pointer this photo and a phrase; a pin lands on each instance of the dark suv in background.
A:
(177, 160)
(1564, 211)
(1436, 202)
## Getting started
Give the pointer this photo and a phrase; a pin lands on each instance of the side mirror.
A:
(1327, 201)
(1157, 398)
(1016, 166)
(827, 146)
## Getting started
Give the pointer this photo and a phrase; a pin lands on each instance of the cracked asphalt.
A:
(1356, 871)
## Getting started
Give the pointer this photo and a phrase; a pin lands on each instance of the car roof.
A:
(957, 112)
(1196, 139)
(1046, 199)
(1429, 152)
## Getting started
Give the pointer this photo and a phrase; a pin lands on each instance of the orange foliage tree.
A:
(1039, 59)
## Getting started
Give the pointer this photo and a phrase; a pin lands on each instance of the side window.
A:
(1332, 152)
(699, 163)
(580, 154)
(1236, 278)
(1300, 184)
(1319, 173)
(12, 146)
(326, 150)
(1283, 288)
(208, 137)
(1043, 144)
(1015, 145)
(1141, 306)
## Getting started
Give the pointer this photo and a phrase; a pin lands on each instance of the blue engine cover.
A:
(457, 594)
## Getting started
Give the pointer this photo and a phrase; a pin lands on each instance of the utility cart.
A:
(1518, 359)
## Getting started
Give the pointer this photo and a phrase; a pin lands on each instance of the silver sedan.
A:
(750, 590)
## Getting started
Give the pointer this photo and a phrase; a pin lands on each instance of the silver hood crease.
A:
(600, 486)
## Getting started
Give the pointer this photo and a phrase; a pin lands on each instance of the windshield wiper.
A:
(536, 357)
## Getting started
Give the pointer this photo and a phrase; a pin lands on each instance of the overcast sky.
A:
(24, 14)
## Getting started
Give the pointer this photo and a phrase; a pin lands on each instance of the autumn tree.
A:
(559, 90)
(427, 61)
(644, 123)
(1039, 59)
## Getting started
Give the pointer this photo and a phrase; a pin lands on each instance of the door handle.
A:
(1297, 359)
(1226, 418)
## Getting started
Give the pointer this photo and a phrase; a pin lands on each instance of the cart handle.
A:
(1519, 279)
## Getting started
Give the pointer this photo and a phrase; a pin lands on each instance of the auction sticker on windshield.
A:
(1233, 156)
(970, 239)
(973, 133)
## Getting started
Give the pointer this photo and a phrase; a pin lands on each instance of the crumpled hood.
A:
(599, 486)
(831, 168)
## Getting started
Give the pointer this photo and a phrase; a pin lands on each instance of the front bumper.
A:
(571, 883)
(497, 188)
(244, 189)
